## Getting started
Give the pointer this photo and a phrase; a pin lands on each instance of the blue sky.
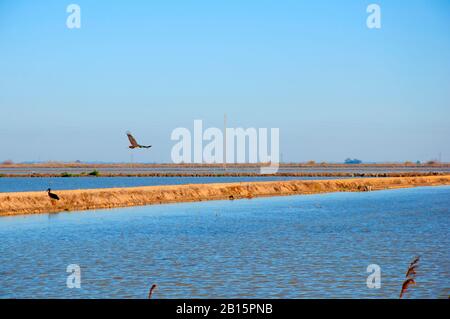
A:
(335, 88)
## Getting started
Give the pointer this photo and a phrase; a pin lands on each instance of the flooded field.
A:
(315, 246)
(25, 184)
(204, 169)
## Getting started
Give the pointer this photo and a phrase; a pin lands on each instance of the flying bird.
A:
(406, 284)
(135, 144)
(52, 195)
(153, 287)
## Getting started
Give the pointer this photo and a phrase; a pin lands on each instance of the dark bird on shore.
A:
(52, 195)
(135, 144)
(152, 288)
(406, 284)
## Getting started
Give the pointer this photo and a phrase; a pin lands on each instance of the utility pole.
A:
(225, 141)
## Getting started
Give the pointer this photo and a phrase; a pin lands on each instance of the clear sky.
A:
(335, 88)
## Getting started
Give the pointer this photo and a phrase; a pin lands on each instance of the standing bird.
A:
(153, 287)
(135, 144)
(52, 195)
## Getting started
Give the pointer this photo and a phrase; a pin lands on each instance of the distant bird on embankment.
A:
(52, 195)
(133, 142)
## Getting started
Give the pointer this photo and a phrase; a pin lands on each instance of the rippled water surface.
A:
(292, 247)
(24, 184)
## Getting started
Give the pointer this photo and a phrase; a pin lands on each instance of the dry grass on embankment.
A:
(39, 202)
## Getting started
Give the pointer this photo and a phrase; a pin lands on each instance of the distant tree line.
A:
(352, 161)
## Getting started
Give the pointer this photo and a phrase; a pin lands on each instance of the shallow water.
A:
(292, 247)
(26, 184)
(218, 170)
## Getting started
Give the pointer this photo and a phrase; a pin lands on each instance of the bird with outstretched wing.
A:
(135, 144)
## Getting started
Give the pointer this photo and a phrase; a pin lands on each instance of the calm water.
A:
(292, 247)
(24, 184)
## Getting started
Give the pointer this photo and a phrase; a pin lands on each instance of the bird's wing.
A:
(132, 140)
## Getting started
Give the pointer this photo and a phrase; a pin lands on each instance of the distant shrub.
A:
(431, 162)
(65, 174)
(94, 173)
(8, 162)
(2, 175)
(408, 163)
(352, 161)
(311, 162)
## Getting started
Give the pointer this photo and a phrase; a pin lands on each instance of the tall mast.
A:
(225, 141)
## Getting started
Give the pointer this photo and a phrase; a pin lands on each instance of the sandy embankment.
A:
(39, 202)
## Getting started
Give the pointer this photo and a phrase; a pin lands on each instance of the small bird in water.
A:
(135, 144)
(152, 288)
(52, 195)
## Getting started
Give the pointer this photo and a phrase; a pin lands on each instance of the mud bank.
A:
(74, 200)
